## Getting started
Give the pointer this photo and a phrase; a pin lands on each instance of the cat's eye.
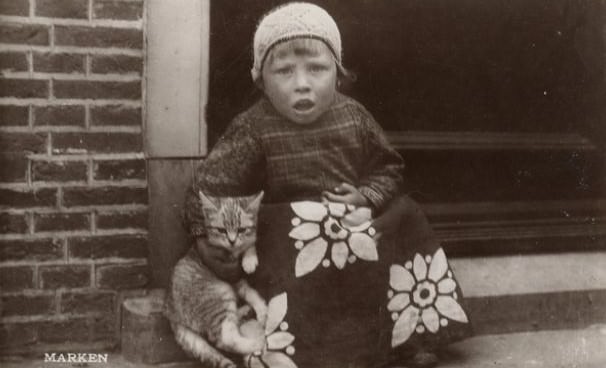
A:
(219, 230)
(243, 230)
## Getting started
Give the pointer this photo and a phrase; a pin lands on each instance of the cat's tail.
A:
(197, 346)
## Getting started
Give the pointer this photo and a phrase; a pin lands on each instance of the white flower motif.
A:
(424, 294)
(424, 299)
(278, 341)
(320, 226)
(334, 230)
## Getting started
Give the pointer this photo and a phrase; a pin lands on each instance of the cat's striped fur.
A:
(205, 288)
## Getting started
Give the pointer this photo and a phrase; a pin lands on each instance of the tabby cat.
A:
(207, 284)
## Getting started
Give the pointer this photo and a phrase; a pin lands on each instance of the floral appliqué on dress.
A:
(345, 229)
(278, 341)
(422, 296)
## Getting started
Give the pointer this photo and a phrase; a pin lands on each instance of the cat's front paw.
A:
(249, 264)
(261, 312)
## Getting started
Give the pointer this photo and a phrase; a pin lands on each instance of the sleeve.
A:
(234, 167)
(382, 179)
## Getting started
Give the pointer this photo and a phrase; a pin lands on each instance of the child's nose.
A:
(302, 82)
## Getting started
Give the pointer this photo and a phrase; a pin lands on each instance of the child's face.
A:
(299, 78)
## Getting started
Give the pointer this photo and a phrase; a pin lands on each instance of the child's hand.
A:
(348, 194)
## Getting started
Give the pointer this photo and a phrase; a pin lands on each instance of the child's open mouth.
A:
(303, 105)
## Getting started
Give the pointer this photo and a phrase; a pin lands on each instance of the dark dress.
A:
(340, 297)
(339, 294)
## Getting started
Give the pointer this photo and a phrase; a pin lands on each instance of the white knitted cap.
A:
(294, 20)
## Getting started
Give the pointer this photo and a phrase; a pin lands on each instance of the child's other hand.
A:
(346, 193)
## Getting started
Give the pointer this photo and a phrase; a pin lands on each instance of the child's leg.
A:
(424, 359)
(406, 220)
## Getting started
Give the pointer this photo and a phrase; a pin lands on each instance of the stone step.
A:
(578, 348)
(503, 294)
(533, 292)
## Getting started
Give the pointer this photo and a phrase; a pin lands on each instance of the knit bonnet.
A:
(294, 20)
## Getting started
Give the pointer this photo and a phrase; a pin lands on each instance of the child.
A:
(303, 139)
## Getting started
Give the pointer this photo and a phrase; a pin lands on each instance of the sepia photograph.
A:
(303, 184)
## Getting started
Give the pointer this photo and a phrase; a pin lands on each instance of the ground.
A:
(581, 348)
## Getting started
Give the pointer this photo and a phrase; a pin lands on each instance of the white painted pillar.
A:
(176, 84)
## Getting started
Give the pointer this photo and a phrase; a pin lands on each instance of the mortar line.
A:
(52, 37)
(30, 62)
(30, 116)
(90, 10)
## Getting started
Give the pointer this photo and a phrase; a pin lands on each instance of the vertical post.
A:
(175, 104)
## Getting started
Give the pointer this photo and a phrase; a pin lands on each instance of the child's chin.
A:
(304, 120)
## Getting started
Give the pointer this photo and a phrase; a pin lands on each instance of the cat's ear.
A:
(206, 201)
(255, 202)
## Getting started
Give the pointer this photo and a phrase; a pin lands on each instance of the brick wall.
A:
(73, 189)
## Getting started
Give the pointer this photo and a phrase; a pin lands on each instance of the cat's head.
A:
(231, 222)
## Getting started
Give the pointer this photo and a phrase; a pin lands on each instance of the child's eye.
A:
(283, 71)
(317, 68)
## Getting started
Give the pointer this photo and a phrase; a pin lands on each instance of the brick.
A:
(14, 115)
(59, 170)
(30, 250)
(119, 169)
(13, 198)
(112, 246)
(116, 220)
(121, 277)
(14, 7)
(86, 302)
(16, 278)
(47, 62)
(59, 115)
(53, 277)
(17, 334)
(104, 196)
(24, 88)
(105, 328)
(23, 142)
(97, 89)
(75, 330)
(28, 34)
(112, 9)
(119, 64)
(77, 9)
(115, 115)
(13, 167)
(27, 305)
(12, 223)
(96, 142)
(98, 37)
(13, 61)
(61, 222)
